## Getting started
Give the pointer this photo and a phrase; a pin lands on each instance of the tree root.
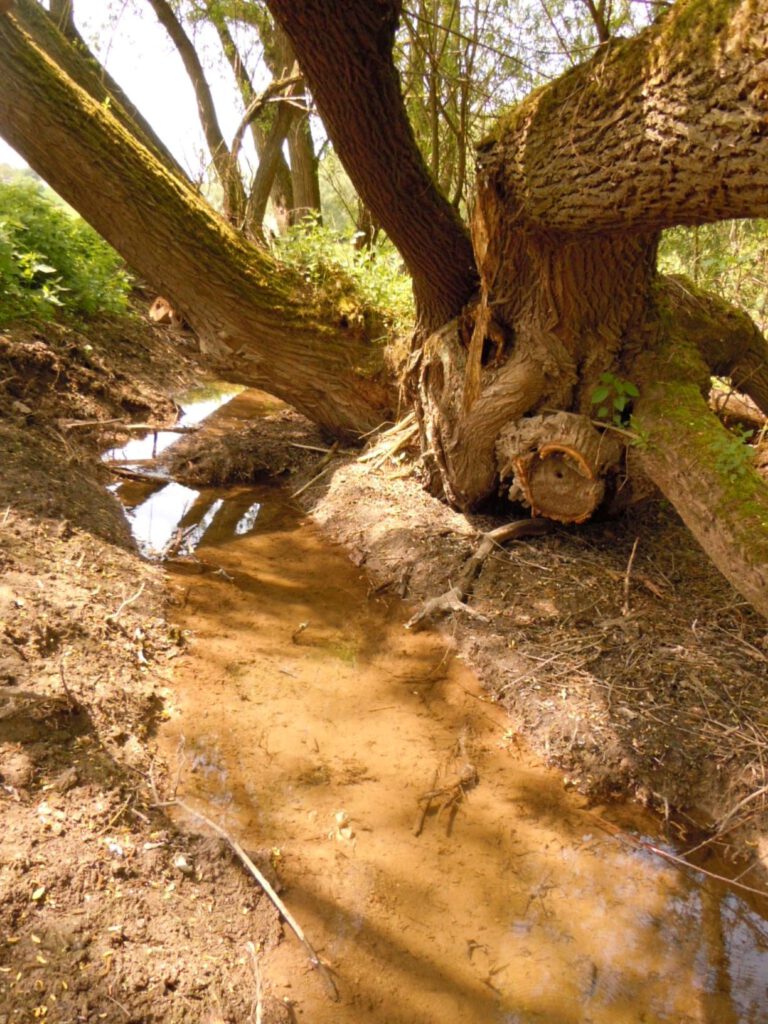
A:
(454, 599)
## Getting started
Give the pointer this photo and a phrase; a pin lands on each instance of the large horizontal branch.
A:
(669, 127)
(247, 308)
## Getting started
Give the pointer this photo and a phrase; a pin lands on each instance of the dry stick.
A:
(148, 478)
(612, 830)
(325, 462)
(454, 599)
(113, 617)
(314, 958)
(627, 574)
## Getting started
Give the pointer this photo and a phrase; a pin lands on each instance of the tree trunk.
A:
(304, 169)
(79, 63)
(345, 52)
(282, 186)
(249, 312)
(573, 188)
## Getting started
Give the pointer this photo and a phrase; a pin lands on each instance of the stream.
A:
(445, 875)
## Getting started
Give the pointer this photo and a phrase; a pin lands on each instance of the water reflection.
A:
(155, 521)
(197, 405)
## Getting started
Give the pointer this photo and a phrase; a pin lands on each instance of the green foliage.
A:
(613, 399)
(51, 261)
(729, 259)
(354, 285)
(734, 456)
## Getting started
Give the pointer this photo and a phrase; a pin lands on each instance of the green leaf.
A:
(600, 394)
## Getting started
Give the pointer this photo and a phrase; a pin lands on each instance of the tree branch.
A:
(703, 469)
(665, 128)
(248, 311)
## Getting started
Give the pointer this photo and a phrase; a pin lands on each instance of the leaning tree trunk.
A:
(248, 310)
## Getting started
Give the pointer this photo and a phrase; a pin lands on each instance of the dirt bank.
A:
(106, 911)
(638, 675)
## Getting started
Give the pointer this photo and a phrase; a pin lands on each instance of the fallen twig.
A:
(133, 474)
(115, 615)
(673, 858)
(627, 575)
(325, 464)
(454, 599)
(314, 958)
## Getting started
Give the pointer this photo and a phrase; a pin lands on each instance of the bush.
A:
(51, 261)
(360, 285)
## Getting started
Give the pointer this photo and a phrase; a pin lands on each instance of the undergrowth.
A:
(51, 262)
(354, 284)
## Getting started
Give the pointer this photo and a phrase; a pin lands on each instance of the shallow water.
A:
(311, 725)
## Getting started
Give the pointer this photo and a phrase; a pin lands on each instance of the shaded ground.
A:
(106, 911)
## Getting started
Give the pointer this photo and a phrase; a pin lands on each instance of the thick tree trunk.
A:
(247, 311)
(345, 52)
(573, 188)
(705, 471)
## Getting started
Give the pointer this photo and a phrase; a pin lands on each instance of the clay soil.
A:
(639, 676)
(107, 912)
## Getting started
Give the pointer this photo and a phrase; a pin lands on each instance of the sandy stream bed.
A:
(110, 912)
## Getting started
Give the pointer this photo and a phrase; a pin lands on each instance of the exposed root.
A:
(454, 599)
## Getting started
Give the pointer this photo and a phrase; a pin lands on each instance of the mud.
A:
(442, 870)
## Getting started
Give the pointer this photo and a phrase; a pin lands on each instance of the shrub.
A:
(51, 261)
(360, 285)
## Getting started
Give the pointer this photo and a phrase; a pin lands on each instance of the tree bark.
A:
(248, 312)
(665, 128)
(345, 52)
(304, 169)
(74, 57)
(705, 471)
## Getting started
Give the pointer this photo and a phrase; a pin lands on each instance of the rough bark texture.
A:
(666, 128)
(706, 472)
(79, 63)
(304, 168)
(245, 307)
(345, 52)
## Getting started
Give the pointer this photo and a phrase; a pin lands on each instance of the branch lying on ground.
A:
(245, 860)
(454, 599)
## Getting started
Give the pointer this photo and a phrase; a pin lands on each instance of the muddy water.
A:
(444, 875)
